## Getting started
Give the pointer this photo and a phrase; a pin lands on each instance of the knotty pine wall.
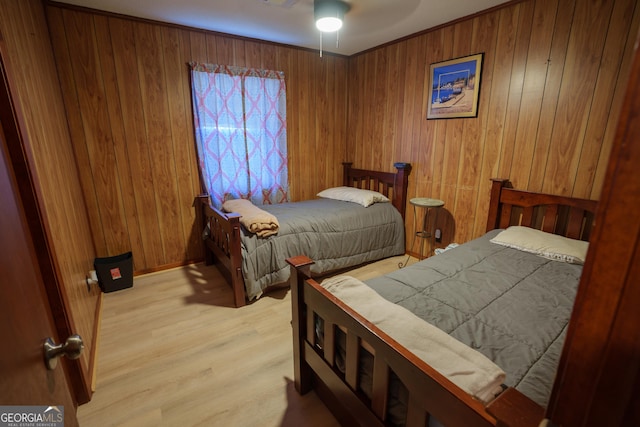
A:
(127, 94)
(31, 70)
(553, 78)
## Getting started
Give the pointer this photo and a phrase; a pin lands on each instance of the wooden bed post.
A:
(300, 271)
(199, 203)
(493, 218)
(402, 181)
(345, 173)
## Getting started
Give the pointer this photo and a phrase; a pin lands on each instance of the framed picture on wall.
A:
(454, 88)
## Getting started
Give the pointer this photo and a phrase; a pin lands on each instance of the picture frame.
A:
(454, 87)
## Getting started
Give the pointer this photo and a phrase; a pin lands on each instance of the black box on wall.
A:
(114, 273)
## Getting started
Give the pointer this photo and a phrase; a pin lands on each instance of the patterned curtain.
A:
(241, 132)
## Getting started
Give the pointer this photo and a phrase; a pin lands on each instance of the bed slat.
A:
(360, 413)
(527, 217)
(351, 368)
(574, 227)
(329, 343)
(310, 328)
(416, 415)
(380, 389)
(550, 218)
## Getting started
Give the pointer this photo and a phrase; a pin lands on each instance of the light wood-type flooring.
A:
(174, 352)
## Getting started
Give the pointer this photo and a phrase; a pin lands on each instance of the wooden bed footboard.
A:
(221, 235)
(221, 231)
(429, 392)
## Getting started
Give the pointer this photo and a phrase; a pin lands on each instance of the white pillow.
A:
(352, 194)
(548, 245)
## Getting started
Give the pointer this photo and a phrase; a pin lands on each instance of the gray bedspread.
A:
(333, 233)
(512, 306)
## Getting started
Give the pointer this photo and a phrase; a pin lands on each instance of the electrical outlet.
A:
(438, 235)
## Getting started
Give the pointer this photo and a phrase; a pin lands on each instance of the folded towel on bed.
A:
(467, 368)
(256, 220)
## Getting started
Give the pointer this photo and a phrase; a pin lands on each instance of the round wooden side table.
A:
(429, 220)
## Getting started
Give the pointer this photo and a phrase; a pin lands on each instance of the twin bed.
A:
(338, 234)
(500, 308)
(507, 304)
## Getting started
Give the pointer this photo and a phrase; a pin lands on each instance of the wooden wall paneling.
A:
(239, 54)
(372, 116)
(354, 105)
(269, 56)
(440, 126)
(425, 142)
(175, 54)
(409, 72)
(555, 69)
(516, 82)
(398, 112)
(339, 139)
(338, 117)
(612, 55)
(388, 135)
(535, 73)
(254, 55)
(222, 52)
(327, 98)
(620, 90)
(379, 85)
(195, 248)
(284, 63)
(215, 57)
(153, 86)
(454, 129)
(317, 92)
(412, 71)
(441, 148)
(362, 111)
(87, 71)
(304, 144)
(499, 65)
(396, 93)
(198, 53)
(139, 167)
(576, 92)
(74, 122)
(363, 141)
(324, 122)
(133, 241)
(198, 44)
(484, 36)
(427, 48)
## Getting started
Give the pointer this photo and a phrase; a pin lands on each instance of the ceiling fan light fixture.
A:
(329, 14)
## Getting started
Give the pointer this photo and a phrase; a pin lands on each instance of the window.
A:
(241, 132)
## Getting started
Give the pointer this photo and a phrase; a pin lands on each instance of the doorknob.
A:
(72, 348)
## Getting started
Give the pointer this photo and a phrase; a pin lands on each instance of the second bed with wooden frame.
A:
(222, 239)
(430, 394)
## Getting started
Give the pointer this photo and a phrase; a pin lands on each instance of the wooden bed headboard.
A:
(392, 185)
(566, 216)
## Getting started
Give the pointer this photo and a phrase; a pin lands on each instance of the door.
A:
(25, 317)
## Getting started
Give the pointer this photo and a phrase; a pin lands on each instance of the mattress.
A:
(512, 306)
(335, 234)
